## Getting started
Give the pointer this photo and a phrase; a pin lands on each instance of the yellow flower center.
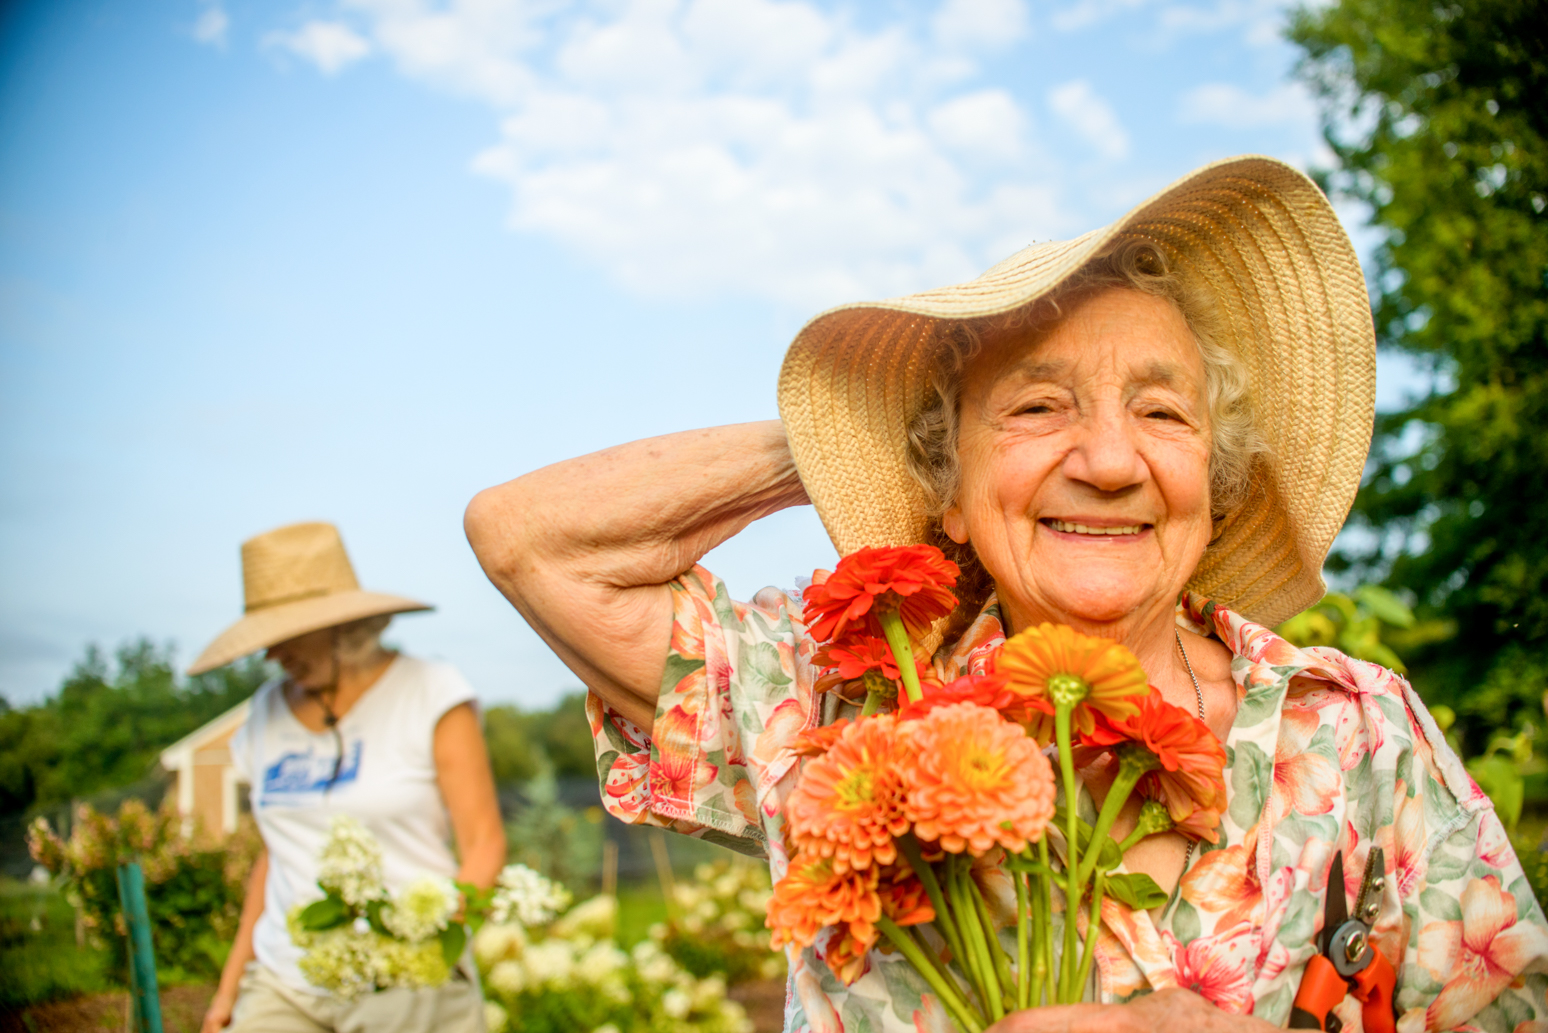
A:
(856, 789)
(1066, 690)
(981, 768)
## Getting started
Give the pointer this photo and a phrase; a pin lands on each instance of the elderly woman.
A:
(1152, 434)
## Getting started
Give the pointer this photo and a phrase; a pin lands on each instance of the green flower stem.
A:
(1073, 886)
(873, 704)
(929, 952)
(1023, 953)
(909, 846)
(961, 1011)
(1130, 769)
(1000, 961)
(961, 913)
(1091, 932)
(902, 651)
(1045, 935)
(973, 930)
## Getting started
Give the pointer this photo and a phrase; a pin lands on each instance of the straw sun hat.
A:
(1264, 240)
(295, 579)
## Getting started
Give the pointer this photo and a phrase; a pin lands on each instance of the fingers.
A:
(1067, 1018)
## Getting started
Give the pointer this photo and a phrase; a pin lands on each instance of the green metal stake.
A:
(142, 958)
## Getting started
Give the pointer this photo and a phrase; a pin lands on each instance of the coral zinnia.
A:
(975, 780)
(1054, 661)
(848, 803)
(914, 580)
(812, 896)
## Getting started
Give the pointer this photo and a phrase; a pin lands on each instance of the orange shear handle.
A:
(1373, 987)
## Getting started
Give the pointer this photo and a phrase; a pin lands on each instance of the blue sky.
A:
(263, 262)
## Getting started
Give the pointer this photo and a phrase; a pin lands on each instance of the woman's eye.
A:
(1161, 414)
(1034, 409)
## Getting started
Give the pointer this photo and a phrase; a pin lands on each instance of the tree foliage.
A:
(1438, 115)
(108, 722)
(524, 744)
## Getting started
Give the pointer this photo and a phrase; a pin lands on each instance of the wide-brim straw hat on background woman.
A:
(1266, 243)
(296, 579)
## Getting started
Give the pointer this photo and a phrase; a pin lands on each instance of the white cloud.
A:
(211, 26)
(331, 46)
(1085, 13)
(1228, 105)
(1091, 117)
(760, 147)
(986, 24)
(1258, 20)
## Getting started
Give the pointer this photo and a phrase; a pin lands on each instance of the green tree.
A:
(525, 744)
(107, 723)
(1438, 115)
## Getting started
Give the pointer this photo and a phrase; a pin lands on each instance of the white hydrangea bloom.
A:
(508, 978)
(351, 863)
(495, 942)
(496, 1019)
(341, 961)
(550, 964)
(676, 1003)
(524, 896)
(422, 909)
(594, 918)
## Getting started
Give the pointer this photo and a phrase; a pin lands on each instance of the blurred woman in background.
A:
(355, 729)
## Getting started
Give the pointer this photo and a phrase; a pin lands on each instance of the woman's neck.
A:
(354, 681)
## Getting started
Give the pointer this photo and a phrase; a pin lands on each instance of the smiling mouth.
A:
(1069, 527)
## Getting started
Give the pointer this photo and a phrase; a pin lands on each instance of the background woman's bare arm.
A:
(584, 549)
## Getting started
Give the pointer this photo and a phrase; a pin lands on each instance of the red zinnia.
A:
(1191, 776)
(914, 580)
(986, 690)
(854, 657)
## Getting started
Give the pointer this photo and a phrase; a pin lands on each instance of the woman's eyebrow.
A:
(1029, 370)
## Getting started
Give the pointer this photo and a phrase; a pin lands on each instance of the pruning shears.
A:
(1346, 964)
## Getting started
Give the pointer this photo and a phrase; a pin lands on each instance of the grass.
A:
(640, 905)
(39, 958)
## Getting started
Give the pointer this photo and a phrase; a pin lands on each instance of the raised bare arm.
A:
(584, 549)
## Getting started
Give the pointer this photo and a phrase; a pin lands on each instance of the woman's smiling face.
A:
(1085, 464)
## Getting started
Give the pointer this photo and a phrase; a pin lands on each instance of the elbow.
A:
(496, 530)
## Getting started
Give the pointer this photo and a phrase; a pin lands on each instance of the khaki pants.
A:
(266, 1005)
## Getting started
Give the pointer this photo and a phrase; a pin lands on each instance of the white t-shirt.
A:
(386, 781)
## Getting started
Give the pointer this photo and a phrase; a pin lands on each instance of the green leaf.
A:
(1441, 905)
(453, 938)
(1251, 776)
(1385, 605)
(327, 913)
(373, 914)
(1137, 890)
(1185, 922)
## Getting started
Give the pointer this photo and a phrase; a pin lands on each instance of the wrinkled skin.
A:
(1162, 1012)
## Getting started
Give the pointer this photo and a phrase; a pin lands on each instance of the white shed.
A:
(204, 782)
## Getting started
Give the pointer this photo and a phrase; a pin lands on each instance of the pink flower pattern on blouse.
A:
(1327, 753)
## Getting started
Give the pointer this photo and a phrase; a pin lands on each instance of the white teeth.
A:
(1065, 525)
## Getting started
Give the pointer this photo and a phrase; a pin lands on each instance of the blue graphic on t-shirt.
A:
(310, 772)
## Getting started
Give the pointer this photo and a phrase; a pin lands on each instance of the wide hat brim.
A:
(1264, 240)
(275, 624)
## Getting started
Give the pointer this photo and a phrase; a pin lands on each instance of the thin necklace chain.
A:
(1198, 694)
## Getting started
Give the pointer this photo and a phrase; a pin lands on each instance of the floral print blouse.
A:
(1326, 753)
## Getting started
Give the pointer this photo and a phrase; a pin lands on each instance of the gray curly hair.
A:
(1132, 264)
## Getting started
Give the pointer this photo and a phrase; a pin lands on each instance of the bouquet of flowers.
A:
(359, 937)
(905, 822)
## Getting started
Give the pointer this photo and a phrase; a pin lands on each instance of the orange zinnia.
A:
(914, 580)
(975, 780)
(1054, 661)
(813, 896)
(903, 897)
(848, 803)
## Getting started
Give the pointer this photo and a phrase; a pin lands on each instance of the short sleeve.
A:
(1476, 955)
(446, 688)
(736, 691)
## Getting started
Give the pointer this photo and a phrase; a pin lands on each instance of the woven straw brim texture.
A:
(1265, 242)
(275, 624)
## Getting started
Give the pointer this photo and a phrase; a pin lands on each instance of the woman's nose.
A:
(1105, 455)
